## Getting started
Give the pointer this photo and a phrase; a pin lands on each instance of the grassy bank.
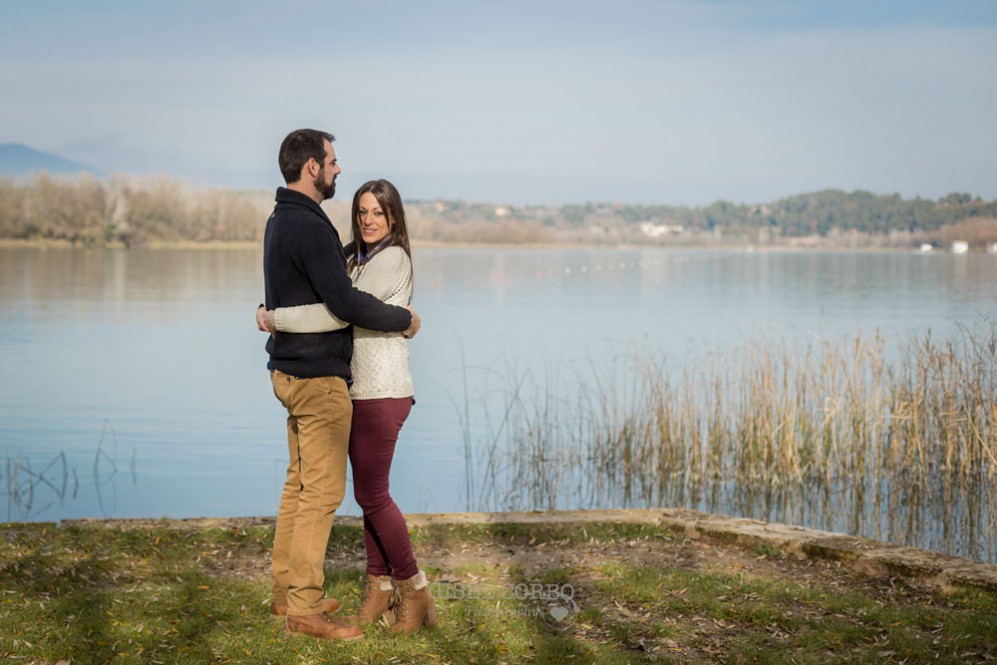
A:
(164, 592)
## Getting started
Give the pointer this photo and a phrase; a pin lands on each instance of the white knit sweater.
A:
(380, 364)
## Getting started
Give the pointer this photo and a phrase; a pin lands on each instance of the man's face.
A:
(325, 179)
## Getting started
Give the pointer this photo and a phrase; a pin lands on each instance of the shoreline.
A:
(862, 555)
(43, 244)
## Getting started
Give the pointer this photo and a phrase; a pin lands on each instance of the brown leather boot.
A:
(376, 596)
(415, 607)
(322, 626)
(329, 606)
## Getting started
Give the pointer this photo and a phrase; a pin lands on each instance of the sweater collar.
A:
(291, 197)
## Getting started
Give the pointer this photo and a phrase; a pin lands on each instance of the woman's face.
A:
(374, 222)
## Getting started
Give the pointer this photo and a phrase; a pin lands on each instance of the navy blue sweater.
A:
(304, 263)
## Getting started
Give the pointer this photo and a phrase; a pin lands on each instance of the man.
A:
(304, 263)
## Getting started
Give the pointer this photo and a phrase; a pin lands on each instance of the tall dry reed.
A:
(890, 439)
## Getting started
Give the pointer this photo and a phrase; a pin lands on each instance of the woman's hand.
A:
(415, 325)
(265, 320)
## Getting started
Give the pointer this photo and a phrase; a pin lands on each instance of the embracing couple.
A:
(339, 320)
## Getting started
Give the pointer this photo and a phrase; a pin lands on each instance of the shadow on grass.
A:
(50, 591)
(91, 597)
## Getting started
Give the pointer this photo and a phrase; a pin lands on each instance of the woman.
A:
(382, 393)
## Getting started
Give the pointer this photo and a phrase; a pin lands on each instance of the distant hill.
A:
(17, 159)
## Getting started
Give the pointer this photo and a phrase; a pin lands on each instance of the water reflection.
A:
(32, 494)
(162, 344)
(24, 486)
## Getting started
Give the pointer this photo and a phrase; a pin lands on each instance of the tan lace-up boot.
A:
(376, 597)
(322, 626)
(415, 606)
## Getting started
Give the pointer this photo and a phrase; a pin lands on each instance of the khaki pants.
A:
(319, 412)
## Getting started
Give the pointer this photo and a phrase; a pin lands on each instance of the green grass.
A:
(166, 594)
(759, 620)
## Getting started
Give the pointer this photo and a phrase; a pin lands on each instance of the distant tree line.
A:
(128, 211)
(131, 211)
(832, 216)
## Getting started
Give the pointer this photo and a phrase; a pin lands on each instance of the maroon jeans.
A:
(376, 423)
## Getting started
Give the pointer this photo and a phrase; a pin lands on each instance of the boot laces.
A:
(397, 603)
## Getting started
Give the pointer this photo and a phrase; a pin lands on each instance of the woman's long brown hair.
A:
(391, 203)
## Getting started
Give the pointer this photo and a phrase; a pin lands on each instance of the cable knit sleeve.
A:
(307, 319)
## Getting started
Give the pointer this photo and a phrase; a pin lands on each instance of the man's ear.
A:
(313, 167)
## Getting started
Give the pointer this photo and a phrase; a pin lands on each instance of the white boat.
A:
(960, 247)
(926, 247)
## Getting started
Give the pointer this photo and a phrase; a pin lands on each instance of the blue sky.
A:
(520, 102)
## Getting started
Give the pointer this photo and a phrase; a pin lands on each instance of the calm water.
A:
(135, 382)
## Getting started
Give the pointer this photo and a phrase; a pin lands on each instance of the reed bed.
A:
(892, 439)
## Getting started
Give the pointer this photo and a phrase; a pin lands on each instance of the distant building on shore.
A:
(960, 247)
(652, 230)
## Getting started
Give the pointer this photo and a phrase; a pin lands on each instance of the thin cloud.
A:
(642, 102)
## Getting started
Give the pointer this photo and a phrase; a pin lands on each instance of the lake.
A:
(135, 382)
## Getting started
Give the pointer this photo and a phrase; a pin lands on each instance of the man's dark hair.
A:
(297, 148)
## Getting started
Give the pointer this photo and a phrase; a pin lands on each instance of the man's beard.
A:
(327, 191)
